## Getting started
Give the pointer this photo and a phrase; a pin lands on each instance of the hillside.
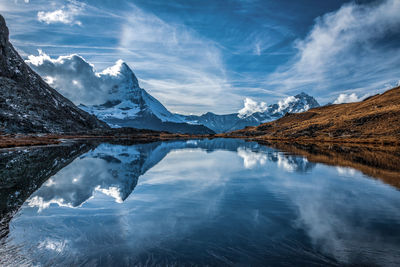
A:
(30, 105)
(374, 120)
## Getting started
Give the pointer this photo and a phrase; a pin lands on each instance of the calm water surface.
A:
(204, 202)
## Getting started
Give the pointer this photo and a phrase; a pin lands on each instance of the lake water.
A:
(201, 202)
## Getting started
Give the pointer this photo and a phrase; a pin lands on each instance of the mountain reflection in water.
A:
(197, 202)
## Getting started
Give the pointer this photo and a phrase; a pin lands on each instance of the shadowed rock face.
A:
(30, 105)
(23, 171)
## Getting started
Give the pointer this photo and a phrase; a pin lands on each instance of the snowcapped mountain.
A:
(131, 106)
(114, 96)
(253, 117)
(126, 99)
(128, 105)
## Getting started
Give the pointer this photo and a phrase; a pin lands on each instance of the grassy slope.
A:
(374, 120)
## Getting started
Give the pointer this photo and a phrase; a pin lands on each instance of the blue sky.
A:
(199, 56)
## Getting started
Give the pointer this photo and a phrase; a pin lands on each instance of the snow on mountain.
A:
(125, 98)
(295, 104)
(253, 113)
(113, 95)
(251, 107)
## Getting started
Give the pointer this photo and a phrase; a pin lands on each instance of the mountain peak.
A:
(4, 33)
(121, 81)
(302, 94)
(310, 100)
(119, 68)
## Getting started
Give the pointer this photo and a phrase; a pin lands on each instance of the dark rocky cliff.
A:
(29, 105)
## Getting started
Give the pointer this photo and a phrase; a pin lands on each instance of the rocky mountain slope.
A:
(30, 105)
(375, 119)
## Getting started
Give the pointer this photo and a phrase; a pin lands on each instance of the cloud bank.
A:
(347, 98)
(66, 15)
(251, 106)
(78, 80)
(351, 48)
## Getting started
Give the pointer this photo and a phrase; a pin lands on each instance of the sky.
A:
(200, 56)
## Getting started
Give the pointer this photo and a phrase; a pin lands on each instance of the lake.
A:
(220, 202)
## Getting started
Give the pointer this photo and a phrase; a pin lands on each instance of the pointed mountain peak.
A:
(302, 95)
(118, 69)
(120, 76)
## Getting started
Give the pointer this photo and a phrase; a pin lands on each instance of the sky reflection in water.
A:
(203, 202)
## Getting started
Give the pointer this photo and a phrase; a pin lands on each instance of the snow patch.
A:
(251, 107)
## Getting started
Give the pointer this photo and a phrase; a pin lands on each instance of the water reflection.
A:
(206, 202)
(114, 169)
(23, 171)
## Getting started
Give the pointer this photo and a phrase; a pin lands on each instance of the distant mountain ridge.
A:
(30, 105)
(376, 119)
(235, 121)
(128, 105)
(114, 96)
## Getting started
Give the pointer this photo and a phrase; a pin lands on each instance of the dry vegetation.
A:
(376, 120)
(17, 140)
(128, 136)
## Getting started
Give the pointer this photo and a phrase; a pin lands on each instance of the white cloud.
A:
(175, 64)
(346, 171)
(353, 97)
(250, 158)
(341, 51)
(285, 103)
(251, 106)
(66, 15)
(347, 98)
(77, 79)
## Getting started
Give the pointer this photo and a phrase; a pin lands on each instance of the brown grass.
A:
(19, 140)
(375, 120)
(7, 141)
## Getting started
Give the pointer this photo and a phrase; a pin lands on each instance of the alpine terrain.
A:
(235, 121)
(125, 104)
(29, 105)
(128, 105)
(376, 119)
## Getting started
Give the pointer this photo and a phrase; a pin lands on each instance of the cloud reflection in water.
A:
(207, 202)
